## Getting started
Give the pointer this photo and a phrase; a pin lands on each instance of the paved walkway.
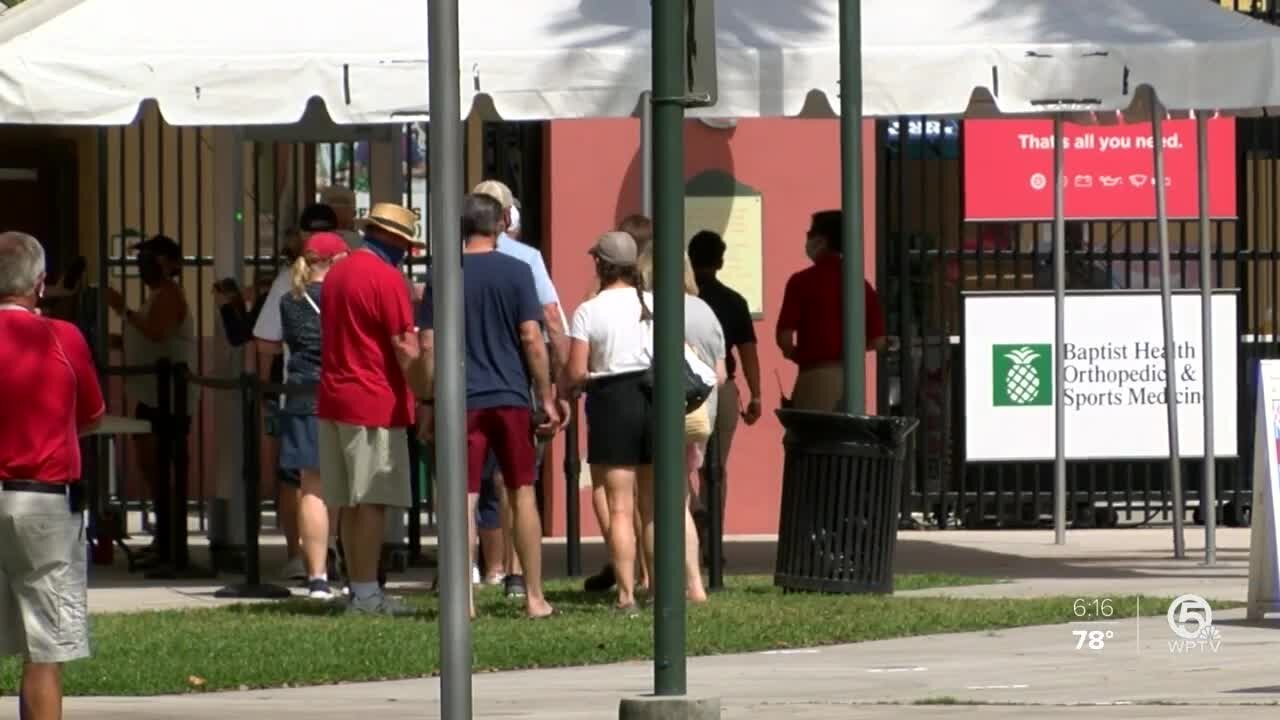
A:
(1037, 669)
(1029, 672)
(1093, 562)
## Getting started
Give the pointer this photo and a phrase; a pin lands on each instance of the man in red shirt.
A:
(363, 402)
(810, 325)
(50, 393)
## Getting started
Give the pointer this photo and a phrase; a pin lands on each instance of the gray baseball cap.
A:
(616, 248)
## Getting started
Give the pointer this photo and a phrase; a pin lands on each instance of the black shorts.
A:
(619, 421)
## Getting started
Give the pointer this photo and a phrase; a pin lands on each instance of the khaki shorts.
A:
(43, 576)
(820, 388)
(363, 465)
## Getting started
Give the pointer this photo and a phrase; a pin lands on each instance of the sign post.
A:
(1166, 313)
(1264, 536)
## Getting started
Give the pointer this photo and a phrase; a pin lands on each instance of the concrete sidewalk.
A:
(1029, 672)
(1132, 561)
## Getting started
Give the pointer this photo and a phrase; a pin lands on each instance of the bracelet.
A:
(753, 401)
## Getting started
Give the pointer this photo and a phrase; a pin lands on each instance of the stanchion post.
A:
(415, 500)
(163, 487)
(572, 476)
(253, 587)
(181, 552)
(252, 473)
(713, 501)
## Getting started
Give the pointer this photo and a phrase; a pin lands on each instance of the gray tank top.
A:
(140, 350)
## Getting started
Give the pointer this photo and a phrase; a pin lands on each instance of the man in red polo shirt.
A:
(810, 325)
(50, 393)
(363, 402)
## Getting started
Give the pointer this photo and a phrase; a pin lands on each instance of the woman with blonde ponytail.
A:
(300, 320)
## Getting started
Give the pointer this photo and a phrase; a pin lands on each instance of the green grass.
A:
(299, 643)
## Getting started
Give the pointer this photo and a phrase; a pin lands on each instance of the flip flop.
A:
(555, 612)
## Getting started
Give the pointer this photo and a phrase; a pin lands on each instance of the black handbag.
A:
(696, 390)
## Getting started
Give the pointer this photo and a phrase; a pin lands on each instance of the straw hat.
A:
(393, 219)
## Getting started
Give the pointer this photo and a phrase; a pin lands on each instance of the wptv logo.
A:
(1191, 620)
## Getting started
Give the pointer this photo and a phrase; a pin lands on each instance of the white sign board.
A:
(1115, 376)
(1264, 537)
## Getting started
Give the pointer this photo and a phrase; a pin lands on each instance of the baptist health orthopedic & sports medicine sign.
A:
(1114, 383)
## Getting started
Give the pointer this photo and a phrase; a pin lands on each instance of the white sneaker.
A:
(295, 569)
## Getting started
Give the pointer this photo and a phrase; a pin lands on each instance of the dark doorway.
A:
(38, 197)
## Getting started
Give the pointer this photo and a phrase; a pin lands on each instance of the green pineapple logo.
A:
(1022, 375)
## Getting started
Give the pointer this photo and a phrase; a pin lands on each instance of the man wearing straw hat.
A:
(363, 402)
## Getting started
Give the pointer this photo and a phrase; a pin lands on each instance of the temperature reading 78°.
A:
(1092, 639)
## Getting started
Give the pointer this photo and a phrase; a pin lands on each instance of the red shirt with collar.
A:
(364, 305)
(49, 391)
(812, 307)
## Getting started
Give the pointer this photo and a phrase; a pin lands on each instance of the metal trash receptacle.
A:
(841, 485)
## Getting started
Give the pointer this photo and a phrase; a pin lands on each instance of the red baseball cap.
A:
(325, 246)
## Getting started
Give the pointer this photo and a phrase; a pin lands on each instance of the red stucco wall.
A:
(593, 180)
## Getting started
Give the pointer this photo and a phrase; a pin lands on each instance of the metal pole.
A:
(1208, 493)
(855, 341)
(713, 502)
(1166, 311)
(1059, 342)
(646, 153)
(446, 140)
(668, 343)
(572, 495)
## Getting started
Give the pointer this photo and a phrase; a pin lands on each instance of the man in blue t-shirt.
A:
(505, 355)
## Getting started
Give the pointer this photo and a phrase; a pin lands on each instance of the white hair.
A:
(21, 264)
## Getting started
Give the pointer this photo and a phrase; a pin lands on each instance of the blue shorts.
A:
(299, 449)
(488, 516)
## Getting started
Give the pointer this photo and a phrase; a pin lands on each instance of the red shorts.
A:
(508, 431)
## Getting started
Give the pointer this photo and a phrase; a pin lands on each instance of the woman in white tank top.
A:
(162, 328)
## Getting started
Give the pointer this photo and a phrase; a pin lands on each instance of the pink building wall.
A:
(593, 180)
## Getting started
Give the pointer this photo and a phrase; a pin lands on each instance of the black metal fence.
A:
(928, 256)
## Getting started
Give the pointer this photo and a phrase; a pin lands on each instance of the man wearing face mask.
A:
(810, 330)
(161, 329)
(363, 401)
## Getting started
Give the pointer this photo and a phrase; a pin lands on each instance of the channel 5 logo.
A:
(1191, 620)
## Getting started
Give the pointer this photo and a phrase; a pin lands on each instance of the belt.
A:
(33, 487)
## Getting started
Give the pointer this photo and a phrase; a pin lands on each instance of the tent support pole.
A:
(669, 668)
(1059, 342)
(1166, 311)
(1208, 493)
(854, 299)
(446, 138)
(646, 153)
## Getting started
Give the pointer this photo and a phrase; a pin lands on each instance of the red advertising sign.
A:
(1107, 170)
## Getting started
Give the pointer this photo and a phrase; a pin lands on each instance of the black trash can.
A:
(840, 500)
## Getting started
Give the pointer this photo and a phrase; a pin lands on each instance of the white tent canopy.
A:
(254, 62)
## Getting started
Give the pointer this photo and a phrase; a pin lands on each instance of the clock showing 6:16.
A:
(1099, 612)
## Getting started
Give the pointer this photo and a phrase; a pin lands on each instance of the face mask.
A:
(393, 255)
(149, 270)
(811, 248)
